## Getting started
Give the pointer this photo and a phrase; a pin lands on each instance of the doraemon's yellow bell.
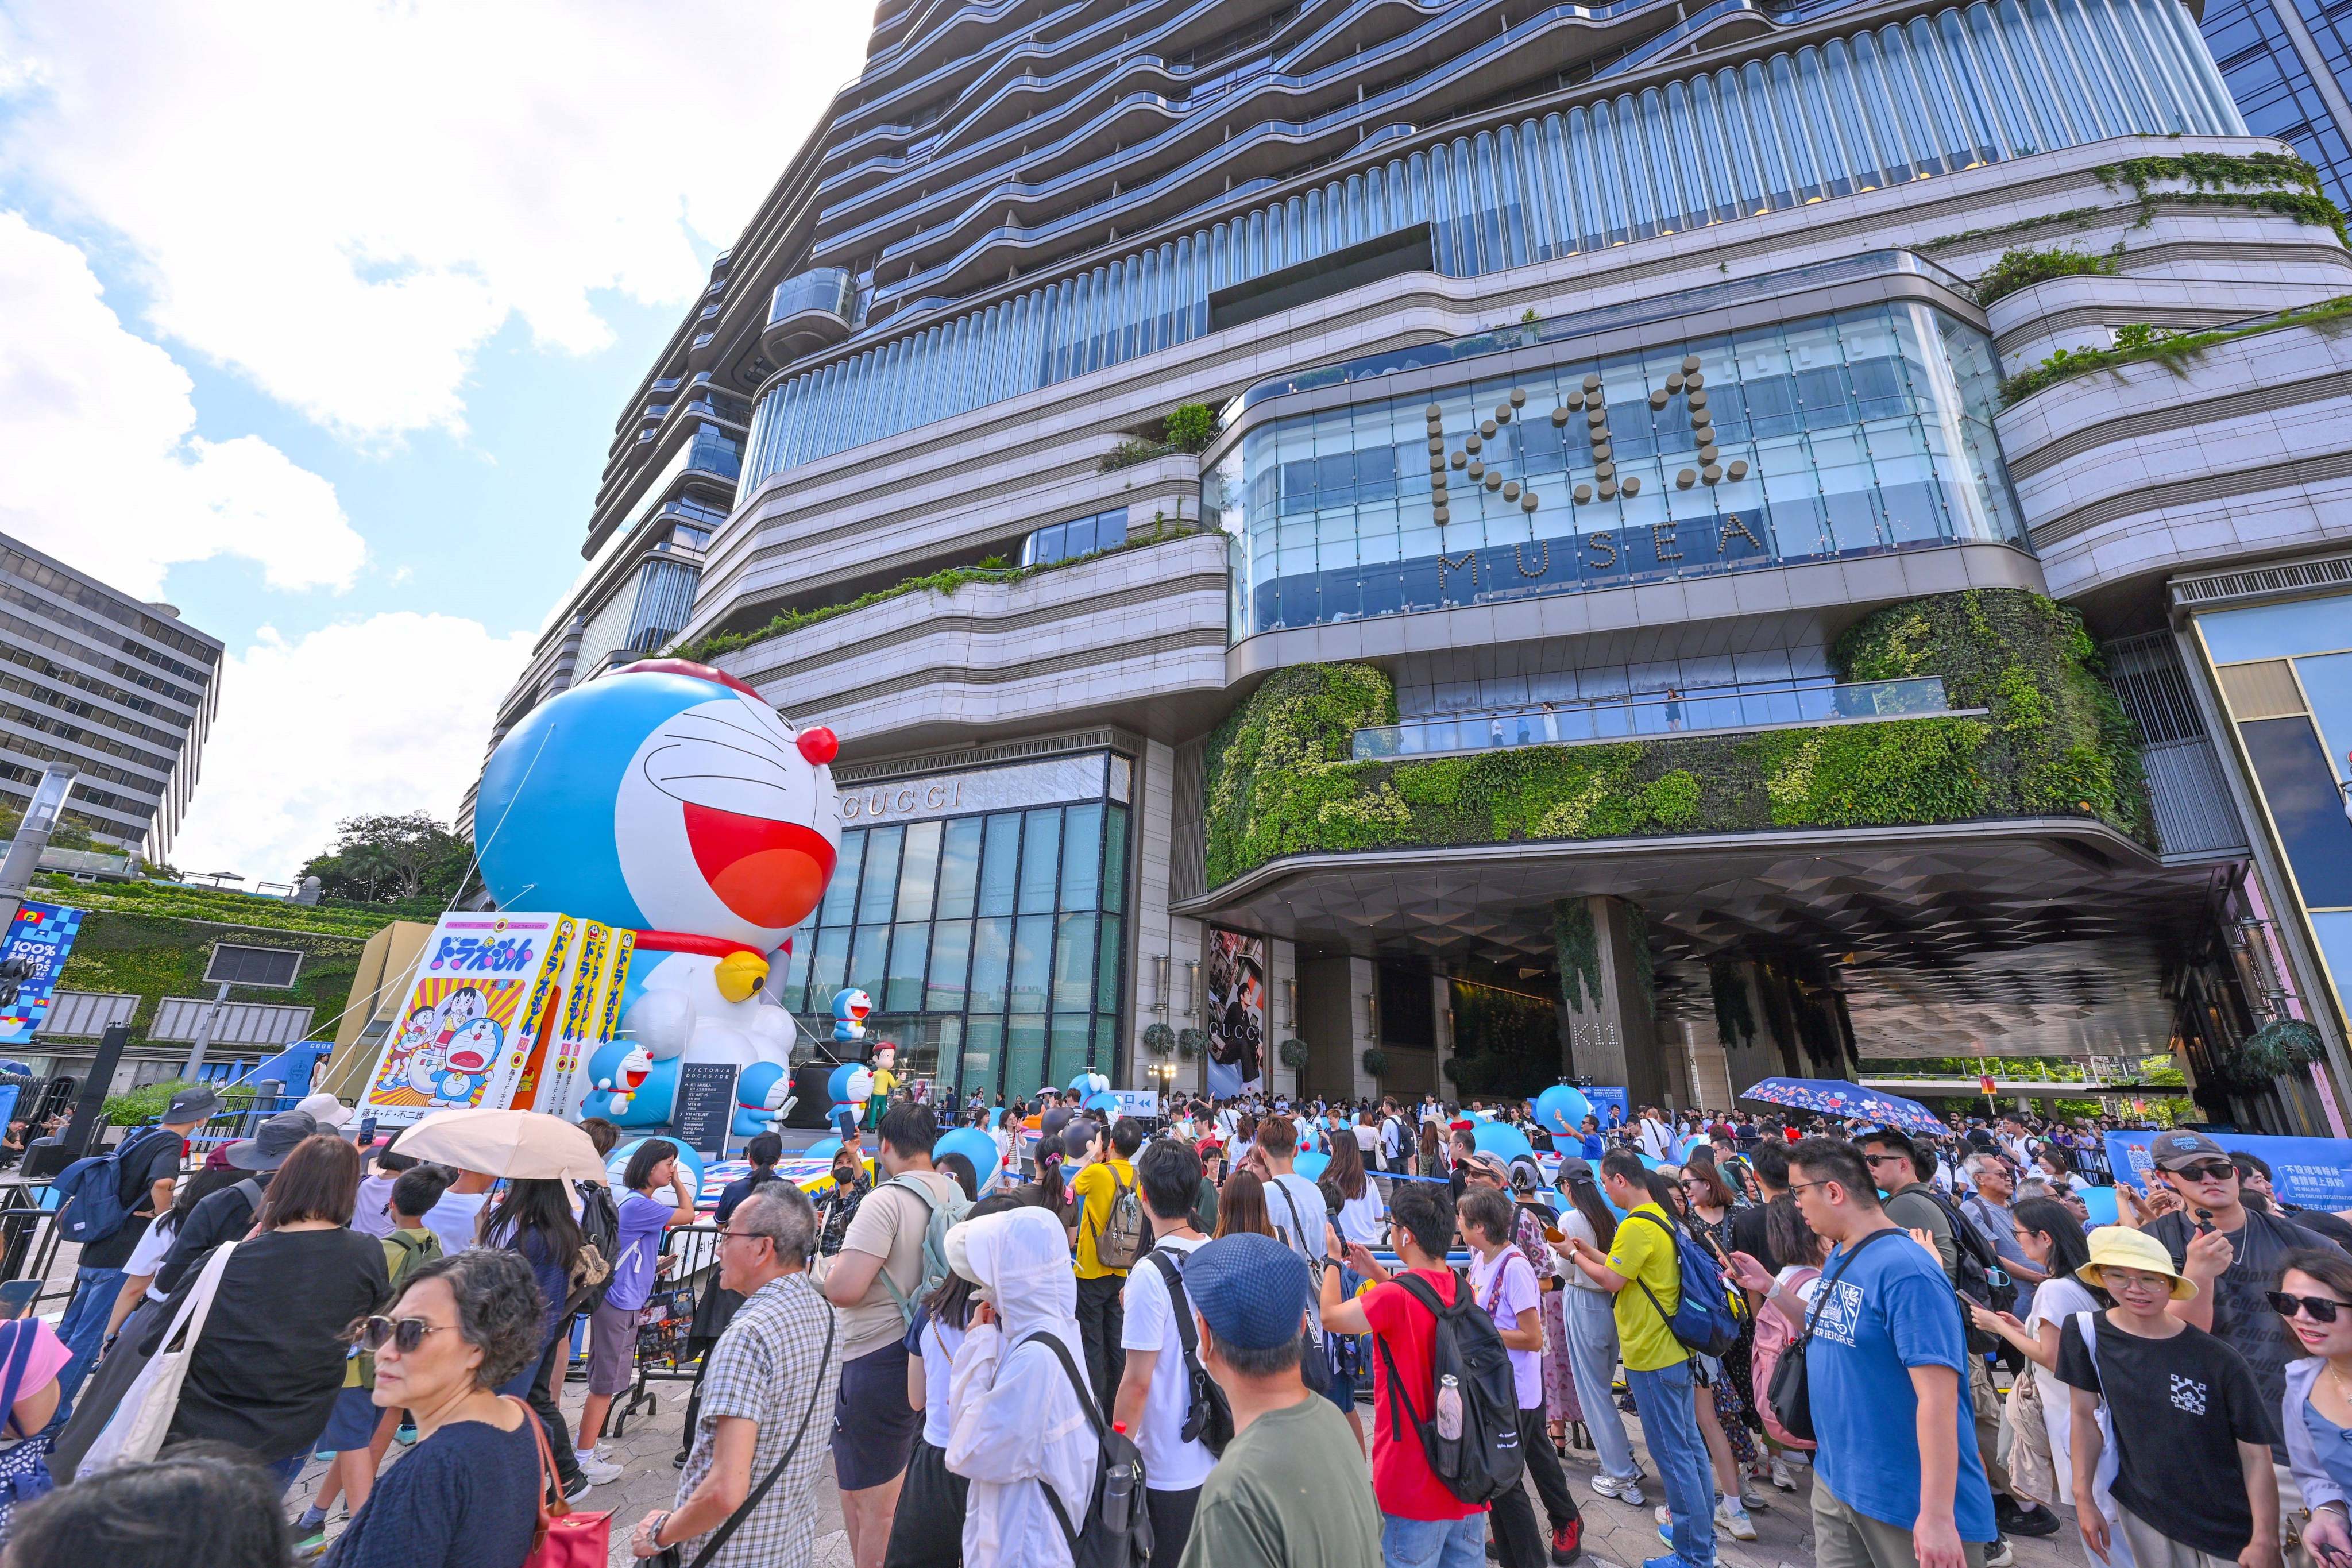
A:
(739, 974)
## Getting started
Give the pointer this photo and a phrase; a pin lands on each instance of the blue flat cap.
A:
(1251, 1289)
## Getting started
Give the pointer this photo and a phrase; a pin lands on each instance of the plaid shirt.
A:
(771, 1368)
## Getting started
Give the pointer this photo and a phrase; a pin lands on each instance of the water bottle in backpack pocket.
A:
(1117, 1531)
(1471, 1433)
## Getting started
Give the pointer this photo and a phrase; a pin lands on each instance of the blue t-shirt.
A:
(1595, 1146)
(639, 1245)
(1892, 1310)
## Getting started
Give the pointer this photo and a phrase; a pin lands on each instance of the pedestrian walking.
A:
(1504, 1284)
(659, 1196)
(1104, 1206)
(1157, 1395)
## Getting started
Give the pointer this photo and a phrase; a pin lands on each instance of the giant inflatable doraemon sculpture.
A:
(670, 799)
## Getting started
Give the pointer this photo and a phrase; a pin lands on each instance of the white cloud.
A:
(102, 469)
(387, 714)
(344, 201)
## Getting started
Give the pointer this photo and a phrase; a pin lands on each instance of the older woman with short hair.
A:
(467, 1495)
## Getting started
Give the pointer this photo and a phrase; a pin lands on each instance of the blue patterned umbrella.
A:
(1835, 1097)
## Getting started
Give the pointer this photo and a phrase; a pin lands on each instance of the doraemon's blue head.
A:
(666, 796)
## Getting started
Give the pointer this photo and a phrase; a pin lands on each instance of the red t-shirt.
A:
(1402, 1482)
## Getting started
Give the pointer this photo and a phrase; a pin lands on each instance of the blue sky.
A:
(315, 318)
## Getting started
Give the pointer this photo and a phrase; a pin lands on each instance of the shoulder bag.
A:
(134, 1430)
(563, 1539)
(1789, 1391)
(1314, 1359)
(670, 1556)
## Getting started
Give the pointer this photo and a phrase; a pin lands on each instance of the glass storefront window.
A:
(965, 928)
(1864, 431)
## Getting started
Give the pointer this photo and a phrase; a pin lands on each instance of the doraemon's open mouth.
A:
(468, 1061)
(770, 873)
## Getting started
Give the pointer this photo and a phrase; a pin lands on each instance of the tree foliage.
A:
(385, 857)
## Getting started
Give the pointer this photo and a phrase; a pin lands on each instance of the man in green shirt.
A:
(1290, 1490)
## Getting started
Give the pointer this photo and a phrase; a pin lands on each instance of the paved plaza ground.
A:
(1615, 1536)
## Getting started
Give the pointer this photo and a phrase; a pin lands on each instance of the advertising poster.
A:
(2309, 1172)
(39, 940)
(1236, 1005)
(1602, 1098)
(470, 1013)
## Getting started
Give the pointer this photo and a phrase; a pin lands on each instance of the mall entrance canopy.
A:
(2010, 938)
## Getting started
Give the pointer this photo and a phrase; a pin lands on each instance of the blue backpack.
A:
(1705, 1321)
(90, 1189)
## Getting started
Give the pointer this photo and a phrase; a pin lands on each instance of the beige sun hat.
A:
(2118, 1246)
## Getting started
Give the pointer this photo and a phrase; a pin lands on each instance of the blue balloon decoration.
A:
(1647, 1164)
(1562, 1109)
(616, 1165)
(976, 1146)
(1090, 1083)
(1105, 1102)
(823, 1149)
(2099, 1202)
(1501, 1140)
(1311, 1166)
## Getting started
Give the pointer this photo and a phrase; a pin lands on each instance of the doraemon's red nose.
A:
(770, 873)
(819, 745)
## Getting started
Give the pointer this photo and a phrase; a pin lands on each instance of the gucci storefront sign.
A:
(1046, 782)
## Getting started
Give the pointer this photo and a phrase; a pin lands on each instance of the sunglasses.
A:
(405, 1335)
(2321, 1310)
(2207, 1171)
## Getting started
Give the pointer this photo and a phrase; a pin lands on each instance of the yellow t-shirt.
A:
(1096, 1188)
(885, 1082)
(1645, 1254)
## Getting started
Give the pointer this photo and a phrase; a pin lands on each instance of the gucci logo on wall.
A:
(1590, 401)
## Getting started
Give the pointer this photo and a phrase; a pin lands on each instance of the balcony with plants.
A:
(2014, 721)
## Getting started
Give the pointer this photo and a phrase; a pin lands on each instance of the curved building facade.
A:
(1361, 545)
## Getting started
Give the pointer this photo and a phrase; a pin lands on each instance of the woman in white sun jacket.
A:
(1015, 1423)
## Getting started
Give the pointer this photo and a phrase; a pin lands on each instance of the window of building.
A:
(1079, 536)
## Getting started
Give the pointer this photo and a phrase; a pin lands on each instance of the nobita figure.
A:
(886, 1079)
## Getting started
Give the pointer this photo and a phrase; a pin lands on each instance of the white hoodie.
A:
(1014, 1420)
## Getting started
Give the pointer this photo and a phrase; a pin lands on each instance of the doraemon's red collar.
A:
(707, 946)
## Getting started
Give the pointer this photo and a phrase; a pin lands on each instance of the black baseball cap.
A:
(2171, 1151)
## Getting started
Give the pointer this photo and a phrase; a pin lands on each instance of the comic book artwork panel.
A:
(447, 1043)
(1236, 983)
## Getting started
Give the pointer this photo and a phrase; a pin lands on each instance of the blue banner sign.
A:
(39, 939)
(2310, 1172)
(1602, 1097)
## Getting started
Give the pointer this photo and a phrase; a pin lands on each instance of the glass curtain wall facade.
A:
(2268, 76)
(1934, 95)
(2286, 675)
(1863, 431)
(993, 945)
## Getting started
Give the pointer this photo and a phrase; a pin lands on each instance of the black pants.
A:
(1171, 1522)
(1101, 1320)
(1515, 1516)
(541, 1399)
(927, 1531)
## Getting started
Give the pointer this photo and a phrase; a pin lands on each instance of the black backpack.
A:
(1473, 1391)
(1118, 1525)
(1208, 1414)
(600, 1227)
(1977, 1273)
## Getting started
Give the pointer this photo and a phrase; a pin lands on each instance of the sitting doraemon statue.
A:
(670, 799)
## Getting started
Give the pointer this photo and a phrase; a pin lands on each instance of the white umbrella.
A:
(522, 1144)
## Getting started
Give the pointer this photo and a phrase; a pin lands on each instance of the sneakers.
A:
(2031, 1520)
(1627, 1491)
(1567, 1543)
(2001, 1553)
(1782, 1477)
(579, 1489)
(1749, 1497)
(1731, 1517)
(596, 1469)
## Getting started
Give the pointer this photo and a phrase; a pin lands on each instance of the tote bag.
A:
(135, 1432)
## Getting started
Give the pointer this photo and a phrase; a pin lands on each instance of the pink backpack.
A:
(1774, 1334)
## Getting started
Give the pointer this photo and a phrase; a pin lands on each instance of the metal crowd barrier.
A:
(677, 1328)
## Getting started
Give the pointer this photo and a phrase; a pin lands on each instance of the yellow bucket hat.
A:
(2119, 1247)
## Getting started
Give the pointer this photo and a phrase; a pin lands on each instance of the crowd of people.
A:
(1405, 1351)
